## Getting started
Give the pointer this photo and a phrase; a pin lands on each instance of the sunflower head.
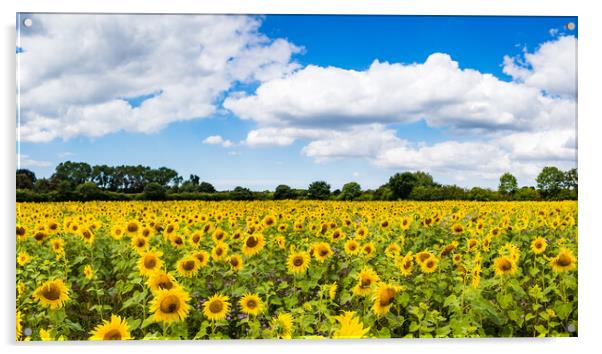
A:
(367, 278)
(538, 246)
(188, 266)
(216, 307)
(298, 262)
(236, 262)
(116, 329)
(170, 305)
(504, 266)
(349, 326)
(322, 251)
(52, 294)
(161, 280)
(150, 262)
(564, 261)
(282, 326)
(429, 265)
(352, 247)
(88, 272)
(253, 244)
(251, 304)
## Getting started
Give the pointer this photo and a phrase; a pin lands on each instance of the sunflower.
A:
(361, 232)
(195, 239)
(406, 264)
(429, 265)
(188, 266)
(405, 223)
(116, 329)
(45, 335)
(23, 258)
(564, 261)
(251, 304)
(457, 229)
(392, 250)
(253, 244)
(298, 262)
(170, 305)
(337, 235)
(504, 266)
(366, 279)
(219, 251)
(475, 276)
(161, 280)
(177, 241)
(19, 325)
(422, 256)
(332, 290)
(368, 249)
(236, 262)
(87, 235)
(282, 326)
(216, 307)
(150, 262)
(449, 248)
(52, 293)
(203, 258)
(281, 242)
(132, 228)
(457, 258)
(88, 272)
(218, 235)
(472, 244)
(140, 244)
(21, 232)
(58, 245)
(147, 232)
(383, 298)
(269, 220)
(349, 326)
(117, 232)
(352, 247)
(321, 251)
(538, 246)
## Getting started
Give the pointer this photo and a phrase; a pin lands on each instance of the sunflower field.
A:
(295, 269)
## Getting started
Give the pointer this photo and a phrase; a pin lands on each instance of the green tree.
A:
(351, 191)
(526, 193)
(508, 184)
(75, 173)
(25, 179)
(206, 187)
(241, 193)
(89, 191)
(318, 190)
(424, 179)
(283, 192)
(571, 179)
(154, 191)
(550, 182)
(401, 184)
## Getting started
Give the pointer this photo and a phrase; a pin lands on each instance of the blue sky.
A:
(307, 86)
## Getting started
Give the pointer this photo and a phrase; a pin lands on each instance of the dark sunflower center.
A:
(564, 260)
(178, 241)
(352, 247)
(386, 297)
(165, 284)
(200, 257)
(298, 261)
(150, 262)
(170, 304)
(196, 238)
(505, 265)
(407, 265)
(87, 234)
(323, 252)
(188, 265)
(20, 230)
(234, 262)
(366, 282)
(430, 264)
(219, 251)
(39, 236)
(51, 292)
(145, 233)
(251, 304)
(251, 242)
(113, 334)
(140, 243)
(169, 229)
(216, 306)
(132, 227)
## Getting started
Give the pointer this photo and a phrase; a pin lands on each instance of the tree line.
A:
(78, 181)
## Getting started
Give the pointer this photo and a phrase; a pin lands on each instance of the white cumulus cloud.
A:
(76, 71)
(218, 140)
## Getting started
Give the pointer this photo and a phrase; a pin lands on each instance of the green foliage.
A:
(154, 191)
(508, 184)
(351, 191)
(319, 190)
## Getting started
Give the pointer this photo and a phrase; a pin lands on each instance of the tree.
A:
(194, 179)
(89, 191)
(283, 192)
(401, 184)
(351, 191)
(570, 179)
(206, 187)
(240, 193)
(75, 173)
(318, 190)
(25, 179)
(154, 191)
(424, 179)
(526, 193)
(550, 182)
(508, 184)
